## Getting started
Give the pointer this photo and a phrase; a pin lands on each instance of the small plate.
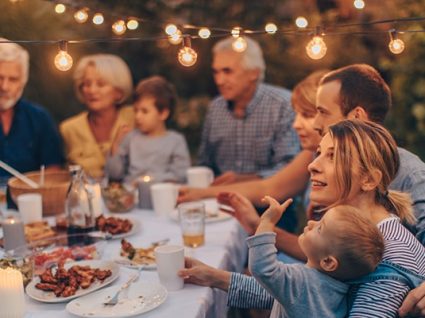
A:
(211, 218)
(49, 297)
(135, 229)
(142, 297)
(124, 261)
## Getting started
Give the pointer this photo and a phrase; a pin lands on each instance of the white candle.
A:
(144, 186)
(12, 302)
(13, 233)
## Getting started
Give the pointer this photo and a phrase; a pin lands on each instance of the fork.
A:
(114, 300)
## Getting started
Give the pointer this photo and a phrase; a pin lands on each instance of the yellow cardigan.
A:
(81, 146)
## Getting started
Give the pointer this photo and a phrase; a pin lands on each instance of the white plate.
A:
(135, 229)
(141, 297)
(49, 297)
(124, 261)
(220, 216)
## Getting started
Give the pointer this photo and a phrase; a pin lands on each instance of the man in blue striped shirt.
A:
(247, 132)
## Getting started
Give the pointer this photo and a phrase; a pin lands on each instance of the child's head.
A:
(344, 244)
(155, 100)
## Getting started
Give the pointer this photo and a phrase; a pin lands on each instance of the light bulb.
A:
(204, 33)
(316, 48)
(239, 45)
(81, 15)
(396, 46)
(171, 29)
(98, 18)
(60, 8)
(236, 32)
(270, 28)
(359, 4)
(301, 22)
(187, 56)
(132, 24)
(63, 61)
(119, 27)
(176, 38)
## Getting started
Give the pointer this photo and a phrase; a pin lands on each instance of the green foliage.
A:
(285, 55)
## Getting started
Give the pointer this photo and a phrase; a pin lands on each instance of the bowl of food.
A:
(23, 263)
(63, 248)
(53, 190)
(119, 197)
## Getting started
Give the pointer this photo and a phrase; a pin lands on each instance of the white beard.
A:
(9, 103)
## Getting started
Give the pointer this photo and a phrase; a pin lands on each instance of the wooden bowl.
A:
(53, 191)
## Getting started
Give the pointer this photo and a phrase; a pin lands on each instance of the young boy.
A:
(150, 149)
(343, 246)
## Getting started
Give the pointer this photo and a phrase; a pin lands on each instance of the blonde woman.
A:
(103, 83)
(355, 163)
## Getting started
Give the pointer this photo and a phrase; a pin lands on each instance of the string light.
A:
(270, 28)
(204, 33)
(63, 61)
(301, 22)
(236, 32)
(316, 48)
(186, 55)
(98, 18)
(119, 27)
(359, 4)
(81, 15)
(171, 29)
(60, 8)
(239, 45)
(176, 38)
(132, 24)
(396, 45)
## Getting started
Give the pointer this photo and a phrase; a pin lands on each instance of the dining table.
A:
(224, 248)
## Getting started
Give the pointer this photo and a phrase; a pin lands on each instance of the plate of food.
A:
(142, 297)
(71, 280)
(137, 256)
(116, 226)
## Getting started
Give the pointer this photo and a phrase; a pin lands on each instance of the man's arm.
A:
(287, 182)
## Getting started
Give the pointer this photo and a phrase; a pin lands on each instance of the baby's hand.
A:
(275, 210)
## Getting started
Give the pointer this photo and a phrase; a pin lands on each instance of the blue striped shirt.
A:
(260, 143)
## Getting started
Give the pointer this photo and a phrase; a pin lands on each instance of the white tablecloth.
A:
(224, 248)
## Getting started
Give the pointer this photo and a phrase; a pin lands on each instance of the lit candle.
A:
(12, 301)
(144, 185)
(13, 233)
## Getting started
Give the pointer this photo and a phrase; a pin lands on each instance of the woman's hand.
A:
(187, 194)
(245, 212)
(272, 215)
(414, 303)
(198, 273)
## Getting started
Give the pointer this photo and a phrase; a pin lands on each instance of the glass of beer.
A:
(192, 222)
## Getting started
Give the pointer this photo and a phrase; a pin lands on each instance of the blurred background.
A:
(285, 55)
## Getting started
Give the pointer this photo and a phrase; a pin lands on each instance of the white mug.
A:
(199, 177)
(30, 206)
(164, 198)
(169, 260)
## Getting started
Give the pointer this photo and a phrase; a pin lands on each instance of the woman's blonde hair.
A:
(110, 68)
(371, 147)
(303, 97)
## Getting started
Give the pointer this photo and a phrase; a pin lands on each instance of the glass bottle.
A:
(79, 208)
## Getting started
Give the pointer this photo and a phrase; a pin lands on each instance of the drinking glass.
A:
(192, 222)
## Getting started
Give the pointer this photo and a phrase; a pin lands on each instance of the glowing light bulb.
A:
(270, 28)
(119, 27)
(60, 8)
(396, 46)
(236, 32)
(63, 61)
(132, 24)
(187, 56)
(359, 4)
(316, 48)
(98, 18)
(301, 22)
(239, 45)
(81, 15)
(171, 29)
(176, 38)
(204, 33)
